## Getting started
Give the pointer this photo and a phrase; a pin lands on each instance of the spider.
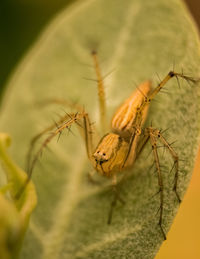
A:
(118, 149)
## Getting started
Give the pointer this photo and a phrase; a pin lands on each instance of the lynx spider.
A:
(118, 149)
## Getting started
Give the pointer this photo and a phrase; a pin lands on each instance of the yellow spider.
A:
(118, 149)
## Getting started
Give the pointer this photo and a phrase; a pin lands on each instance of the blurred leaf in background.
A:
(21, 21)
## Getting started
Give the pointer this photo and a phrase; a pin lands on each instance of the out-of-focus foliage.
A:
(14, 213)
(20, 24)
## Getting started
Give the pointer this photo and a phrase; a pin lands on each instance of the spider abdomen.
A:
(123, 119)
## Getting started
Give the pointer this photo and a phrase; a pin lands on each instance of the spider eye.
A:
(104, 154)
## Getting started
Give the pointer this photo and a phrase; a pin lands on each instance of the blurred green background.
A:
(21, 22)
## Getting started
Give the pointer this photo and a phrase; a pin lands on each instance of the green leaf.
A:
(14, 213)
(137, 39)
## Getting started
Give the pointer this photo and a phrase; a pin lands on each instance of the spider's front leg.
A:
(65, 123)
(38, 136)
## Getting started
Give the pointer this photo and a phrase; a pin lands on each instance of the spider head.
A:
(109, 154)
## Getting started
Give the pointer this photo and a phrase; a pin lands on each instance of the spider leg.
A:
(157, 133)
(154, 136)
(141, 144)
(38, 136)
(64, 102)
(101, 91)
(73, 118)
(87, 126)
(131, 153)
(153, 140)
(170, 75)
(137, 123)
(116, 198)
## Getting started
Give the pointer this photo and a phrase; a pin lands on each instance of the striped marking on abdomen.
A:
(123, 119)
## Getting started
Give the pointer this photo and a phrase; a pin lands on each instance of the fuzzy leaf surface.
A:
(136, 39)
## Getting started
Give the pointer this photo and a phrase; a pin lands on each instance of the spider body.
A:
(114, 152)
(118, 149)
